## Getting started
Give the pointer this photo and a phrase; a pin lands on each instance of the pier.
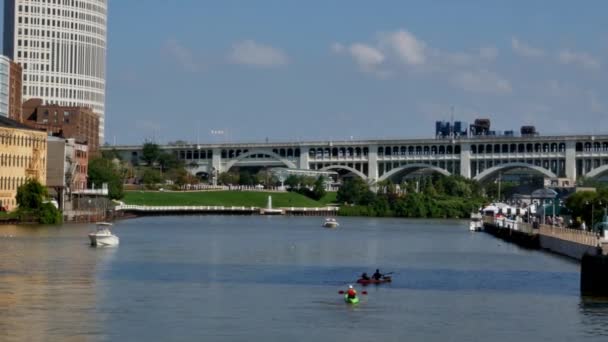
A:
(590, 248)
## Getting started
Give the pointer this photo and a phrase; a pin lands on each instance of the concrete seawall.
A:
(567, 248)
(572, 243)
(142, 210)
(588, 247)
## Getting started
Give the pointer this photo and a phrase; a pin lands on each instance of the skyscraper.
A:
(61, 46)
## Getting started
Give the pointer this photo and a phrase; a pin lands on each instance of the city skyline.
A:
(286, 70)
(61, 48)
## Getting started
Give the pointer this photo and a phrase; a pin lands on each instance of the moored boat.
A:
(103, 236)
(476, 223)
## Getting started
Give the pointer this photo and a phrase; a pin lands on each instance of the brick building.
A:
(78, 123)
(14, 95)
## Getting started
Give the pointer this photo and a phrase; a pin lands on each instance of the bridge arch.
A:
(418, 166)
(268, 153)
(488, 172)
(598, 171)
(348, 168)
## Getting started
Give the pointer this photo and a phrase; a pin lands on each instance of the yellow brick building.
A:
(22, 156)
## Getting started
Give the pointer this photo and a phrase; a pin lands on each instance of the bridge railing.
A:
(574, 235)
(214, 208)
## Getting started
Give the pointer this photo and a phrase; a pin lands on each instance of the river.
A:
(238, 278)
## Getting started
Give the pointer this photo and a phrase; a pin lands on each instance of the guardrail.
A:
(582, 237)
(146, 208)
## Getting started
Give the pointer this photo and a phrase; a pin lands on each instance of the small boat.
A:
(476, 223)
(103, 236)
(374, 281)
(330, 223)
(349, 300)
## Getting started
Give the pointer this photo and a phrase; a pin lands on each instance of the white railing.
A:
(101, 192)
(213, 208)
(582, 237)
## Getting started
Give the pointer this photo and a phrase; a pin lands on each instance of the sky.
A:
(291, 70)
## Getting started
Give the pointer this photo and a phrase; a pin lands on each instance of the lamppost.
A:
(592, 214)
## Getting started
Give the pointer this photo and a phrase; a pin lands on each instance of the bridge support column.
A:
(571, 161)
(216, 165)
(303, 162)
(372, 163)
(465, 160)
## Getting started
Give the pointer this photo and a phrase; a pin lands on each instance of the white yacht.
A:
(476, 223)
(330, 223)
(103, 236)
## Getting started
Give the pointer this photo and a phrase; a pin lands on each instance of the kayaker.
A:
(352, 293)
(377, 275)
(364, 276)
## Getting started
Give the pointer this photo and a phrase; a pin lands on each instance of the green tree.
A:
(150, 153)
(32, 206)
(318, 191)
(355, 191)
(227, 178)
(266, 177)
(151, 177)
(31, 195)
(168, 161)
(105, 171)
(245, 178)
(292, 181)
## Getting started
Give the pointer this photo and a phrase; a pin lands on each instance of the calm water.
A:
(221, 278)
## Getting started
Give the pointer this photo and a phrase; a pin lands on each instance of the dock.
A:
(590, 248)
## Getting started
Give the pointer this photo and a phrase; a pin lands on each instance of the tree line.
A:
(426, 197)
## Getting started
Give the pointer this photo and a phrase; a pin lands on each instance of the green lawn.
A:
(223, 198)
(329, 198)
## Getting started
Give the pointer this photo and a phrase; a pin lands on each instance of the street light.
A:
(592, 213)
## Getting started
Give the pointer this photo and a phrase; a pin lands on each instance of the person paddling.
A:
(351, 293)
(364, 276)
(377, 275)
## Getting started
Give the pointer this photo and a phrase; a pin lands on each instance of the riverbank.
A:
(224, 198)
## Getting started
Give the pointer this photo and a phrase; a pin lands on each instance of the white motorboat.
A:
(330, 223)
(103, 236)
(476, 223)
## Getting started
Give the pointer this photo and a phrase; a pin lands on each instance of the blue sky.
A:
(307, 70)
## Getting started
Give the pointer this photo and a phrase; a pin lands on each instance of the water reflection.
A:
(48, 283)
(594, 312)
(256, 278)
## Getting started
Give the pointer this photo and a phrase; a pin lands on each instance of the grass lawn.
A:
(329, 198)
(223, 198)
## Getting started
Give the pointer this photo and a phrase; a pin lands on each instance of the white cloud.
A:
(409, 49)
(483, 81)
(524, 49)
(488, 53)
(182, 55)
(250, 53)
(578, 58)
(366, 56)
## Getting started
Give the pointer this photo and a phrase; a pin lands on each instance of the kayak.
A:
(351, 300)
(374, 281)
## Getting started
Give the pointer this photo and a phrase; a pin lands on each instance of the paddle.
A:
(342, 292)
